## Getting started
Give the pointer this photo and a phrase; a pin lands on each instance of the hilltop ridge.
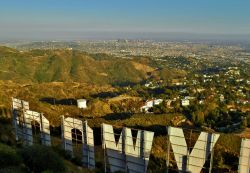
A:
(62, 65)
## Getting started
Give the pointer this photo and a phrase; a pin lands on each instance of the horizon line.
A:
(131, 35)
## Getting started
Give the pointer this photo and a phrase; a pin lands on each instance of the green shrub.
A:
(40, 158)
(8, 156)
(248, 120)
(77, 160)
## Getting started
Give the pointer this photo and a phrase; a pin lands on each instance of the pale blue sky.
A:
(72, 19)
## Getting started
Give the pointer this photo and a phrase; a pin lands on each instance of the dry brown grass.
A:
(142, 67)
(33, 92)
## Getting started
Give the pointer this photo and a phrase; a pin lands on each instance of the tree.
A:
(248, 120)
(160, 109)
(39, 158)
(168, 92)
(177, 106)
(198, 117)
(8, 156)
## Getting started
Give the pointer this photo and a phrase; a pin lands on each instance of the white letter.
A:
(195, 160)
(244, 161)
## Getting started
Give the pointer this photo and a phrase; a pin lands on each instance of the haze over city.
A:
(112, 19)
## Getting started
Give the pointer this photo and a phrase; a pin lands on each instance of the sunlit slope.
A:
(69, 66)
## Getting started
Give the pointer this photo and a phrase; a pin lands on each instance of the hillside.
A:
(74, 66)
(52, 80)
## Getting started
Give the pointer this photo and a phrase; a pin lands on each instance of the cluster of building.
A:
(227, 86)
(150, 104)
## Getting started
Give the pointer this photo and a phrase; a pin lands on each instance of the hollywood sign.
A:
(129, 154)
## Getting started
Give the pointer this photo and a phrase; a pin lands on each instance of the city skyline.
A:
(71, 20)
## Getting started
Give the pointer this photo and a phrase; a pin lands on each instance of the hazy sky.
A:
(72, 19)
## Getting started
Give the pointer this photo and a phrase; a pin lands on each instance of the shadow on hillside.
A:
(54, 101)
(104, 95)
(123, 84)
(118, 116)
(157, 129)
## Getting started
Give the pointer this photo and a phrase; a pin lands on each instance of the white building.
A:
(201, 102)
(157, 101)
(150, 103)
(222, 98)
(82, 103)
(184, 102)
(145, 108)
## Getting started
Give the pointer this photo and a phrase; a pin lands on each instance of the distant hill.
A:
(74, 66)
